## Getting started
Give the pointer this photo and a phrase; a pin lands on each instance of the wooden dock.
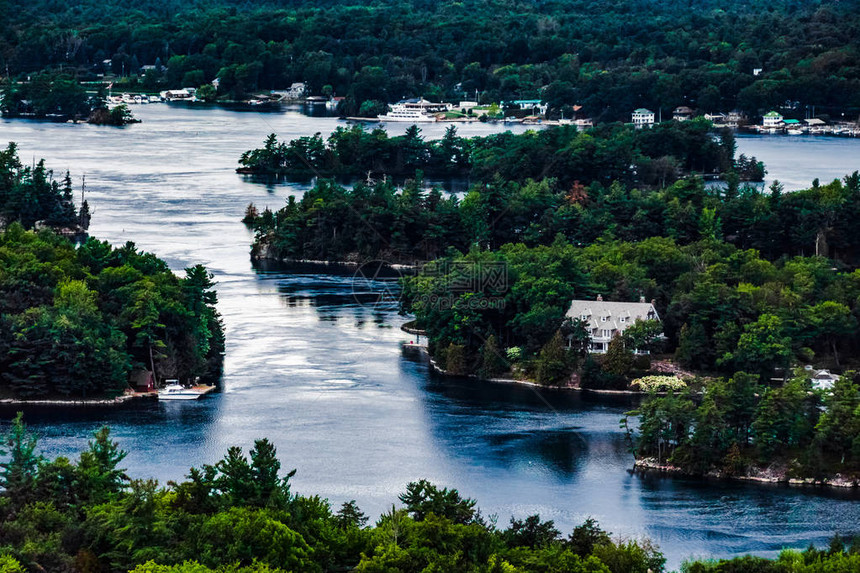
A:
(203, 389)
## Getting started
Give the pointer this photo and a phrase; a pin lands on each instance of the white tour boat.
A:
(399, 112)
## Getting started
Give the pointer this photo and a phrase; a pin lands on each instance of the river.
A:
(324, 376)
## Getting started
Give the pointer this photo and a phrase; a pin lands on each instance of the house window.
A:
(584, 317)
(607, 333)
(622, 319)
(602, 319)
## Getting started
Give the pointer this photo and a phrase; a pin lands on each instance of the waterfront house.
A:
(531, 105)
(771, 120)
(735, 118)
(824, 380)
(606, 319)
(296, 91)
(643, 118)
(682, 113)
(718, 119)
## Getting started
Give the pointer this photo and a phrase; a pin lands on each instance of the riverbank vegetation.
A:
(745, 427)
(240, 514)
(75, 320)
(525, 188)
(30, 195)
(718, 57)
(60, 97)
(606, 153)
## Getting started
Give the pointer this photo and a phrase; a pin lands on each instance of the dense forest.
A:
(75, 320)
(610, 57)
(740, 425)
(31, 196)
(239, 515)
(611, 152)
(525, 188)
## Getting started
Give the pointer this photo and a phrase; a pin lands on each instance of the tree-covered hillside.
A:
(240, 515)
(75, 320)
(610, 57)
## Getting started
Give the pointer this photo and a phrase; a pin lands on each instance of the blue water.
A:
(321, 372)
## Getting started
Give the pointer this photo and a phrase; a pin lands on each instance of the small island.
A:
(606, 152)
(61, 97)
(740, 282)
(77, 319)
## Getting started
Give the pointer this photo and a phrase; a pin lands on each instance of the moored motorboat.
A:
(175, 391)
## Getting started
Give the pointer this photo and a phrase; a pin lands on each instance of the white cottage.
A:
(607, 319)
(824, 380)
(642, 118)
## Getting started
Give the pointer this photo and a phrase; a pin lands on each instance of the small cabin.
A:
(142, 380)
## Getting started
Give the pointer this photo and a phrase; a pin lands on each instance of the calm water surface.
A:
(324, 377)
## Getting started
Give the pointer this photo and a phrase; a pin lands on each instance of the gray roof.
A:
(604, 314)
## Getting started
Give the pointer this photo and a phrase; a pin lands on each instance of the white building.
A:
(682, 113)
(296, 90)
(771, 119)
(605, 319)
(824, 380)
(643, 118)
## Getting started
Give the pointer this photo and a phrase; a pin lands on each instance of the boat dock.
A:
(203, 389)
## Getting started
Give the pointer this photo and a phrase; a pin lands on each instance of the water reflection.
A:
(323, 375)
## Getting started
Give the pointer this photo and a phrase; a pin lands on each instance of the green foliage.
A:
(201, 526)
(31, 194)
(553, 362)
(566, 53)
(658, 383)
(75, 322)
(740, 425)
(19, 471)
(48, 95)
(564, 154)
(422, 499)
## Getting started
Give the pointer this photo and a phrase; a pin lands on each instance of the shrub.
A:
(658, 383)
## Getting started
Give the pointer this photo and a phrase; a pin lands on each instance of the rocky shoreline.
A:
(771, 475)
(122, 399)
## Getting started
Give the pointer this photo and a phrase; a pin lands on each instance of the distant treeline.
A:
(239, 515)
(75, 321)
(608, 57)
(612, 152)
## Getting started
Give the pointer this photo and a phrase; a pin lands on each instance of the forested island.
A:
(611, 152)
(240, 515)
(76, 319)
(609, 58)
(59, 97)
(526, 187)
(748, 282)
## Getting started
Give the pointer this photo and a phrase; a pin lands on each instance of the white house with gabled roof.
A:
(606, 319)
(771, 119)
(642, 118)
